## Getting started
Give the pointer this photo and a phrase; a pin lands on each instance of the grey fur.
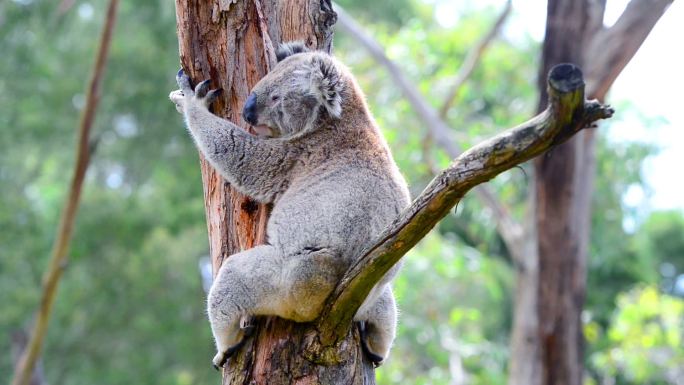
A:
(289, 49)
(333, 184)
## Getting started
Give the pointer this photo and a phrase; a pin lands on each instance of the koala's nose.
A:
(249, 113)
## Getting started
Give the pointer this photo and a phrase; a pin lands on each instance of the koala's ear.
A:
(327, 85)
(288, 49)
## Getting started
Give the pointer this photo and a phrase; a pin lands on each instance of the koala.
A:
(322, 162)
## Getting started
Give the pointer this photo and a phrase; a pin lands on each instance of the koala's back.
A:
(341, 203)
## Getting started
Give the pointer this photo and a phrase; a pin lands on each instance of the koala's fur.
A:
(333, 184)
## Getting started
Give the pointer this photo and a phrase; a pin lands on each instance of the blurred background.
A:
(130, 307)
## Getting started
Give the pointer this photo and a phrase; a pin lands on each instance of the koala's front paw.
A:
(177, 97)
(201, 94)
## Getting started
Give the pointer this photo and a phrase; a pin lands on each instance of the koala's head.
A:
(302, 87)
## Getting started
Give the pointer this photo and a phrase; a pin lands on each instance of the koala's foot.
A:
(376, 359)
(247, 326)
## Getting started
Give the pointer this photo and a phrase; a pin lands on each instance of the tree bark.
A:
(561, 239)
(232, 43)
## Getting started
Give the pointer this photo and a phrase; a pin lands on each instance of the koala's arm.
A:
(256, 166)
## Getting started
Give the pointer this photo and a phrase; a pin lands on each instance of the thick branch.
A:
(58, 256)
(566, 115)
(509, 229)
(472, 58)
(609, 51)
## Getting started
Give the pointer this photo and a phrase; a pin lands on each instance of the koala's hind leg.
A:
(309, 276)
(248, 283)
(378, 324)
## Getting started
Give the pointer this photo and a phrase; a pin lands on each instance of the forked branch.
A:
(567, 114)
(610, 49)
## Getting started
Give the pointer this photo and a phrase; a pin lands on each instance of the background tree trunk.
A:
(233, 44)
(560, 213)
(547, 337)
(547, 340)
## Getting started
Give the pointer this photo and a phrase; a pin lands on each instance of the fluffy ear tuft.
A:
(290, 48)
(327, 84)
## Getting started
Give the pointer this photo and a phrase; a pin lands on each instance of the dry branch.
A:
(472, 58)
(567, 114)
(58, 256)
(510, 230)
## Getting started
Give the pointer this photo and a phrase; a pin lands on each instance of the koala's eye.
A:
(275, 98)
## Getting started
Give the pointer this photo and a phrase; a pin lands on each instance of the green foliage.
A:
(391, 12)
(660, 239)
(438, 335)
(130, 308)
(646, 338)
(614, 264)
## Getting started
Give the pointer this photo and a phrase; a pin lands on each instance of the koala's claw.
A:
(202, 91)
(221, 358)
(376, 359)
(202, 88)
(183, 81)
(247, 325)
(213, 95)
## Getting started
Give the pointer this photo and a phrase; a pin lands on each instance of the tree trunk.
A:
(546, 343)
(547, 335)
(560, 213)
(232, 42)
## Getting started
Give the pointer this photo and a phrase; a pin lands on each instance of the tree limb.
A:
(509, 229)
(19, 341)
(58, 256)
(609, 50)
(567, 114)
(472, 58)
(596, 12)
